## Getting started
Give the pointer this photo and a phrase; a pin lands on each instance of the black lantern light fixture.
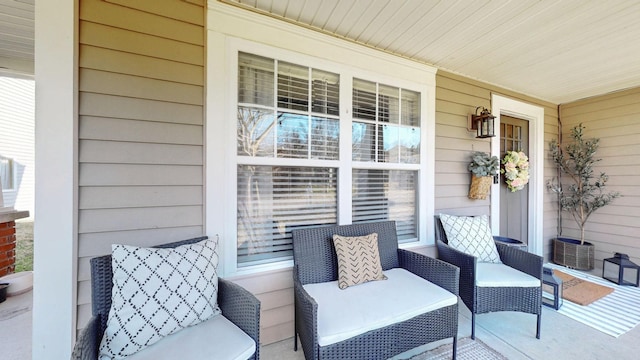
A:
(620, 270)
(553, 285)
(482, 123)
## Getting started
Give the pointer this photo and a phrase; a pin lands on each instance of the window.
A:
(6, 173)
(386, 129)
(290, 159)
(286, 112)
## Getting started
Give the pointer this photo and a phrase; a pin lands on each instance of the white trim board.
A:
(501, 105)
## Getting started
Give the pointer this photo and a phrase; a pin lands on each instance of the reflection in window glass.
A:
(410, 108)
(392, 140)
(388, 104)
(293, 86)
(325, 92)
(255, 79)
(364, 100)
(293, 135)
(363, 142)
(255, 132)
(325, 138)
(273, 200)
(380, 195)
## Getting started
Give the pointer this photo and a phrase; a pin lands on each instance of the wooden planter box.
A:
(570, 253)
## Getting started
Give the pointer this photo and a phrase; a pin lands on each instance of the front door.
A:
(514, 136)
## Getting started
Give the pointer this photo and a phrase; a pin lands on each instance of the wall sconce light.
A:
(482, 123)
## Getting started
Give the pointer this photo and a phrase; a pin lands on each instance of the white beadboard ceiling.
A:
(555, 50)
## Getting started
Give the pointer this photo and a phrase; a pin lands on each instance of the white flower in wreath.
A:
(515, 169)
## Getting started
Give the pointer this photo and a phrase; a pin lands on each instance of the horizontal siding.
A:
(613, 118)
(141, 118)
(274, 289)
(117, 152)
(456, 97)
(122, 107)
(141, 131)
(17, 139)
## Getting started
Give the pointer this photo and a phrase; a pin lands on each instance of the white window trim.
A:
(220, 178)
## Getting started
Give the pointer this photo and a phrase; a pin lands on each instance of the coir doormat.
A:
(581, 291)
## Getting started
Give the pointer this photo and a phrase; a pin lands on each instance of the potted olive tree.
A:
(581, 195)
(483, 168)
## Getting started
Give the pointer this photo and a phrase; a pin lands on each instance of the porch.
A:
(509, 333)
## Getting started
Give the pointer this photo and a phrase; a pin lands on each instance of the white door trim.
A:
(501, 105)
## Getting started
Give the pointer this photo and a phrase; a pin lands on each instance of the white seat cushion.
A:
(501, 275)
(343, 314)
(216, 338)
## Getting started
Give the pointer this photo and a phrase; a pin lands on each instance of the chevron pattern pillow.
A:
(358, 259)
(157, 292)
(471, 235)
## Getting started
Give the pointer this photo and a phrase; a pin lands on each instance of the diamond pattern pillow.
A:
(358, 259)
(157, 292)
(471, 235)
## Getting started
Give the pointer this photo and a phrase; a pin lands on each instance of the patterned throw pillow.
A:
(157, 292)
(471, 235)
(358, 259)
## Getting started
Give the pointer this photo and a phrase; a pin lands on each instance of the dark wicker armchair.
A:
(482, 300)
(237, 304)
(315, 262)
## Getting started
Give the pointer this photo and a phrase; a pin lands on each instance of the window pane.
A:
(363, 142)
(389, 104)
(324, 138)
(6, 172)
(364, 100)
(274, 200)
(380, 195)
(325, 92)
(410, 108)
(409, 145)
(293, 135)
(293, 86)
(388, 150)
(255, 79)
(255, 132)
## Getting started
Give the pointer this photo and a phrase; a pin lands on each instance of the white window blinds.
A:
(380, 195)
(382, 129)
(273, 200)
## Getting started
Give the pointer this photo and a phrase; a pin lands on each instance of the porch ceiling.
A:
(558, 51)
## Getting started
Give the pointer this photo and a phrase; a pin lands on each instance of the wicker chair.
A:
(482, 300)
(237, 304)
(315, 261)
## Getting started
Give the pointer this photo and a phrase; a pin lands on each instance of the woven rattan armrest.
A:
(445, 275)
(241, 308)
(306, 318)
(88, 341)
(521, 260)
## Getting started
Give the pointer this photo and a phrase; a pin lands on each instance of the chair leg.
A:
(538, 326)
(455, 347)
(473, 326)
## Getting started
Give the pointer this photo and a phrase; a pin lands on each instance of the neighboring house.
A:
(175, 120)
(17, 120)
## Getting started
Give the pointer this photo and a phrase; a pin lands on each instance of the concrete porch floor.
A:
(510, 333)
